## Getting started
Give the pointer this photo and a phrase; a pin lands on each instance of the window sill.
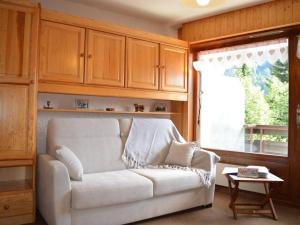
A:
(246, 158)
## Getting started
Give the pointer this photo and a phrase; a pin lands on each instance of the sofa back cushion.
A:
(96, 142)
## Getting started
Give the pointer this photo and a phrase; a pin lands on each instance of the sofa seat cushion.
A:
(167, 181)
(110, 188)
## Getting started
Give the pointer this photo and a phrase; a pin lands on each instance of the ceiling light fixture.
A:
(202, 2)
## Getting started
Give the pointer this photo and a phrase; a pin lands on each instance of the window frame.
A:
(246, 158)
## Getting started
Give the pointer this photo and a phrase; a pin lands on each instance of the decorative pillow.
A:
(70, 160)
(180, 154)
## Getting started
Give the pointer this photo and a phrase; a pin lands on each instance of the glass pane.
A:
(244, 100)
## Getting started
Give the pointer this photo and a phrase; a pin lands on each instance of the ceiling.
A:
(171, 12)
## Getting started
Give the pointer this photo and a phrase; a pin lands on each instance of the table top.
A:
(270, 179)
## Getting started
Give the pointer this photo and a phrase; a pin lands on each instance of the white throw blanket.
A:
(148, 144)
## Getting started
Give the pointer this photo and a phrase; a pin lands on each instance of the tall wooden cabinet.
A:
(15, 125)
(18, 56)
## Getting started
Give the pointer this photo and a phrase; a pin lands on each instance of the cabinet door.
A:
(142, 64)
(14, 121)
(15, 36)
(61, 52)
(173, 70)
(106, 56)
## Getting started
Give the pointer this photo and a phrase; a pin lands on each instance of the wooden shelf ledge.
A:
(16, 163)
(81, 89)
(16, 186)
(108, 112)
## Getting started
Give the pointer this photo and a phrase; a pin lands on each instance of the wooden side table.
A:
(252, 208)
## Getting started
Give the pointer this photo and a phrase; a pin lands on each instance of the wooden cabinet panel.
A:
(14, 122)
(105, 60)
(61, 52)
(15, 36)
(173, 73)
(142, 64)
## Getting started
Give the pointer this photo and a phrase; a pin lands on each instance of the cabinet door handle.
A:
(89, 56)
(162, 67)
(81, 54)
(6, 207)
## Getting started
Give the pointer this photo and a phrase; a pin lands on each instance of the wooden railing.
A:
(257, 133)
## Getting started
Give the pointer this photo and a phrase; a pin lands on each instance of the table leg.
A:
(234, 192)
(269, 200)
(230, 190)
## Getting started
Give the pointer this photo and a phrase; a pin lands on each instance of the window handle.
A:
(298, 115)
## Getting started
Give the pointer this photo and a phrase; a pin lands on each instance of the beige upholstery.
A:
(110, 188)
(168, 181)
(96, 142)
(109, 194)
(141, 210)
(54, 191)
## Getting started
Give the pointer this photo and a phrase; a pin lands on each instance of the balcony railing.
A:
(269, 139)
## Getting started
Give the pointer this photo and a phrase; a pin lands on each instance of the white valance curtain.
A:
(255, 53)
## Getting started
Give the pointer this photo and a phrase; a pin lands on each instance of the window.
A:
(244, 98)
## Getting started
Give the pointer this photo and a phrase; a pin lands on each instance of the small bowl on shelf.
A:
(110, 109)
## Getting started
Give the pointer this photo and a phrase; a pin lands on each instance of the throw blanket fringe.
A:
(205, 176)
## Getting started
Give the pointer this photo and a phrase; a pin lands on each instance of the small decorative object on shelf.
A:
(159, 107)
(139, 108)
(48, 105)
(110, 109)
(81, 103)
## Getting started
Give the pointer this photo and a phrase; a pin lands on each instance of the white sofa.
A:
(109, 193)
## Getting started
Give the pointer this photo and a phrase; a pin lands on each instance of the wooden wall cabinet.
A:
(95, 55)
(150, 64)
(105, 59)
(61, 52)
(15, 38)
(173, 69)
(142, 64)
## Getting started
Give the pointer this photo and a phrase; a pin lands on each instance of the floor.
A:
(219, 214)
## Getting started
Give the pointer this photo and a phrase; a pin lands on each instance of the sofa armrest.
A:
(54, 191)
(205, 160)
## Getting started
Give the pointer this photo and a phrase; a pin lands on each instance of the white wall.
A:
(68, 102)
(108, 16)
